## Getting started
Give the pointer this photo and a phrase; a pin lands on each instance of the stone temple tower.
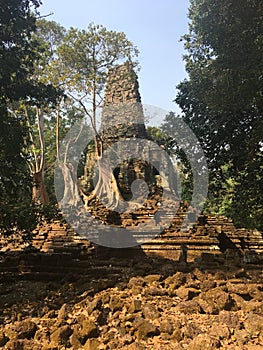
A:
(122, 119)
(122, 116)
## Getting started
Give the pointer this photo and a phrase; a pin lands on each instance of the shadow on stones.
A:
(225, 243)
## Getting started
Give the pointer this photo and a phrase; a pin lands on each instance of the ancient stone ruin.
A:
(123, 120)
(200, 288)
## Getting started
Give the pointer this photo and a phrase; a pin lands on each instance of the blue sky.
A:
(154, 26)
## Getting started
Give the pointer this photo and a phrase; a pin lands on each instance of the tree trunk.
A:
(39, 193)
(71, 195)
(106, 187)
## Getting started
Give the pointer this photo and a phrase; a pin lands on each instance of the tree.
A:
(181, 162)
(17, 21)
(158, 135)
(18, 52)
(48, 35)
(46, 96)
(222, 101)
(84, 59)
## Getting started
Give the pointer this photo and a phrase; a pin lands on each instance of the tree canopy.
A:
(51, 77)
(18, 52)
(222, 101)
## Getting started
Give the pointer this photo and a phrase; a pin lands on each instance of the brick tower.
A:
(123, 119)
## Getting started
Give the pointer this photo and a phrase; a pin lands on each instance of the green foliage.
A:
(49, 36)
(161, 136)
(162, 139)
(39, 60)
(18, 53)
(77, 61)
(17, 22)
(182, 164)
(85, 56)
(222, 102)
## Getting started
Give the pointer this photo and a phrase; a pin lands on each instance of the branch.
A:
(45, 16)
(93, 123)
(66, 152)
(70, 142)
(98, 148)
(82, 98)
(32, 142)
(85, 110)
(30, 166)
(57, 133)
(41, 137)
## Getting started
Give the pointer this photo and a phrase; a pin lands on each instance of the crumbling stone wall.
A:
(122, 86)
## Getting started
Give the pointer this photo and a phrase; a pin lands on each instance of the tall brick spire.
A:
(122, 115)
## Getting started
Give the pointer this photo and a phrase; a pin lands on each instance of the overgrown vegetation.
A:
(222, 102)
(51, 77)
